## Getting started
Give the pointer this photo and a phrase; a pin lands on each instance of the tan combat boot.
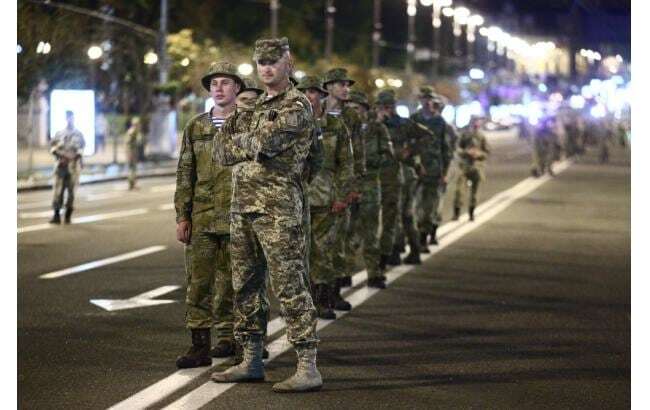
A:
(251, 368)
(307, 377)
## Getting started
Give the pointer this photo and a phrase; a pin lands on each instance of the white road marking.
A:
(141, 300)
(209, 391)
(87, 219)
(105, 195)
(166, 207)
(449, 233)
(103, 262)
(32, 215)
(163, 188)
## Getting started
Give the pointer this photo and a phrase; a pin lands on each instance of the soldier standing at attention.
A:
(267, 209)
(377, 144)
(67, 147)
(202, 202)
(337, 83)
(544, 139)
(436, 155)
(133, 142)
(473, 150)
(248, 94)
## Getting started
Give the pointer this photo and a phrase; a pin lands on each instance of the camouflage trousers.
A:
(363, 231)
(209, 297)
(542, 160)
(391, 198)
(282, 241)
(64, 181)
(324, 229)
(133, 168)
(408, 205)
(339, 257)
(429, 188)
(472, 175)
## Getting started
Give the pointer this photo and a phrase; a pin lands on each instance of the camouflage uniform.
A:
(470, 167)
(267, 209)
(65, 145)
(544, 140)
(203, 194)
(133, 142)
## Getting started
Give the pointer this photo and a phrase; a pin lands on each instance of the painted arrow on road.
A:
(142, 300)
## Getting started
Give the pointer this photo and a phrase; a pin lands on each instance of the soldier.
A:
(436, 156)
(248, 94)
(377, 144)
(472, 152)
(407, 136)
(133, 142)
(67, 147)
(337, 83)
(202, 202)
(267, 209)
(328, 195)
(543, 145)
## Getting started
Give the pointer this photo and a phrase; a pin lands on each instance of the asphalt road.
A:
(527, 308)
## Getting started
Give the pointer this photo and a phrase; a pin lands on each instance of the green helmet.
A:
(336, 74)
(311, 81)
(221, 68)
(359, 97)
(426, 91)
(250, 85)
(386, 97)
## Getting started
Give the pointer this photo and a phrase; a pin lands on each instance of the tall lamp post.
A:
(461, 15)
(411, 10)
(376, 35)
(436, 22)
(473, 22)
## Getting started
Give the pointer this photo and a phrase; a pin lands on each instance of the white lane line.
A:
(86, 219)
(103, 262)
(105, 195)
(163, 188)
(165, 387)
(209, 391)
(165, 207)
(32, 215)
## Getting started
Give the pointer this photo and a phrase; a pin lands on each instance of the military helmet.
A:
(336, 74)
(359, 97)
(311, 81)
(221, 68)
(270, 49)
(426, 91)
(386, 97)
(250, 85)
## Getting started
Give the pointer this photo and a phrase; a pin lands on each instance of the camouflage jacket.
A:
(406, 135)
(379, 147)
(473, 149)
(354, 123)
(203, 188)
(67, 147)
(269, 157)
(336, 176)
(435, 152)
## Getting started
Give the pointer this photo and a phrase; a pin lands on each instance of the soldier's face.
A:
(223, 91)
(339, 90)
(247, 99)
(360, 109)
(314, 96)
(70, 121)
(271, 72)
(427, 104)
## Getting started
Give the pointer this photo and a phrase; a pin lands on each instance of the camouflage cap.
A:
(250, 85)
(359, 97)
(311, 81)
(426, 91)
(270, 49)
(439, 99)
(337, 74)
(386, 97)
(221, 68)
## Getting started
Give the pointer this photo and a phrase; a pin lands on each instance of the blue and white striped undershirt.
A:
(217, 122)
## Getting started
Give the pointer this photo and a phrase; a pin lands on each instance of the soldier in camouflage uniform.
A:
(407, 137)
(337, 83)
(366, 225)
(328, 195)
(436, 155)
(202, 202)
(544, 140)
(267, 209)
(133, 142)
(249, 94)
(451, 133)
(473, 151)
(67, 147)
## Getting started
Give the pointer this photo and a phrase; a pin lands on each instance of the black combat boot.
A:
(224, 348)
(456, 214)
(339, 302)
(377, 282)
(424, 248)
(534, 172)
(433, 239)
(346, 281)
(68, 215)
(471, 213)
(394, 258)
(56, 218)
(413, 258)
(199, 354)
(323, 302)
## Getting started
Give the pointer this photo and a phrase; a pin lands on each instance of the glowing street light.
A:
(19, 48)
(380, 83)
(426, 3)
(412, 9)
(95, 52)
(461, 14)
(150, 58)
(298, 74)
(476, 20)
(448, 12)
(185, 62)
(43, 47)
(245, 69)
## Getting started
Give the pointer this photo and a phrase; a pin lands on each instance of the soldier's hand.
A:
(338, 207)
(183, 231)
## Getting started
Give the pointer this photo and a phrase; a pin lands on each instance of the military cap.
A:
(270, 49)
(439, 99)
(250, 85)
(386, 97)
(311, 81)
(337, 74)
(426, 91)
(359, 97)
(221, 68)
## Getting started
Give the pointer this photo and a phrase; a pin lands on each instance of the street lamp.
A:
(185, 62)
(95, 52)
(43, 47)
(436, 22)
(150, 58)
(411, 11)
(245, 69)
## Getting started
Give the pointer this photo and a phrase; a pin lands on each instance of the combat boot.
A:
(323, 303)
(534, 172)
(424, 248)
(394, 258)
(339, 302)
(307, 377)
(377, 282)
(471, 213)
(238, 355)
(56, 218)
(224, 348)
(199, 353)
(433, 240)
(346, 281)
(251, 368)
(413, 258)
(68, 215)
(456, 214)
